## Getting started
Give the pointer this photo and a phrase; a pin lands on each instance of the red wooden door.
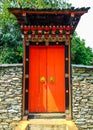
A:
(46, 79)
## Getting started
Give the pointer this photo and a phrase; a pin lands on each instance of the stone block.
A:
(90, 98)
(90, 126)
(16, 118)
(47, 127)
(3, 110)
(90, 122)
(84, 126)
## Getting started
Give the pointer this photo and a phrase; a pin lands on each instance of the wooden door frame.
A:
(68, 89)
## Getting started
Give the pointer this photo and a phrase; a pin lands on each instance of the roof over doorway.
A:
(49, 17)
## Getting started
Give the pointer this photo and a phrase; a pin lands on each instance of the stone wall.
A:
(11, 96)
(82, 83)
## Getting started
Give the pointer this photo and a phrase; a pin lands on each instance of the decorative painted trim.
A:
(26, 91)
(67, 91)
(26, 76)
(66, 59)
(66, 75)
(26, 60)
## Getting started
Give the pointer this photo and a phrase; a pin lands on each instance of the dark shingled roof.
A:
(64, 17)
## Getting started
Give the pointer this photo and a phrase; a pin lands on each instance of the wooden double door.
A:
(46, 79)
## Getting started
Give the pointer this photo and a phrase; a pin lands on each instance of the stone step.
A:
(51, 124)
(47, 116)
(47, 127)
(46, 124)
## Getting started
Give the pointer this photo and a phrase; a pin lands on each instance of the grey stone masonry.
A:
(82, 96)
(10, 95)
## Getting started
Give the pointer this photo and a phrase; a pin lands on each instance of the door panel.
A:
(56, 88)
(46, 79)
(51, 93)
(33, 79)
(37, 88)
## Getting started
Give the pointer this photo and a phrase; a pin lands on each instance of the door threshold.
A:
(46, 116)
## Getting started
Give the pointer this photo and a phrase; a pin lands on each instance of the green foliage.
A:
(11, 55)
(10, 37)
(36, 3)
(80, 53)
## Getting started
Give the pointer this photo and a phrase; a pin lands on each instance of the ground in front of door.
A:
(46, 124)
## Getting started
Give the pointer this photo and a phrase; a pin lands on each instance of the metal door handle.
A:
(52, 79)
(42, 79)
